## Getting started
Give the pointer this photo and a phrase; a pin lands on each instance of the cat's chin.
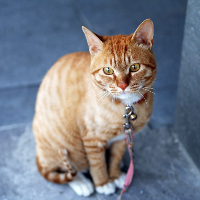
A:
(128, 98)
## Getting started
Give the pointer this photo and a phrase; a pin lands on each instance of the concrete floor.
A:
(163, 170)
(34, 34)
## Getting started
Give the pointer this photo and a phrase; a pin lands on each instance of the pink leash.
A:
(128, 130)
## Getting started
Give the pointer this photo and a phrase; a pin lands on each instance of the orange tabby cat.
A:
(80, 107)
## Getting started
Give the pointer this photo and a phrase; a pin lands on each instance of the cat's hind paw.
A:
(81, 185)
(106, 189)
(120, 181)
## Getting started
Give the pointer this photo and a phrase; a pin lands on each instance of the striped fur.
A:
(79, 108)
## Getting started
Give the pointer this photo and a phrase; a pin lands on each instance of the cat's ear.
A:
(94, 43)
(144, 34)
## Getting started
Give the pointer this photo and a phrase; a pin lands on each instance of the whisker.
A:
(103, 89)
(104, 99)
(101, 93)
(143, 97)
(102, 96)
(99, 96)
(148, 90)
(112, 103)
(113, 107)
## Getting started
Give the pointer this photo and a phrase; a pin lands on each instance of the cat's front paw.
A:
(119, 182)
(106, 189)
(81, 185)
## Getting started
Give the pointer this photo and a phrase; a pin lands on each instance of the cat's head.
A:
(123, 65)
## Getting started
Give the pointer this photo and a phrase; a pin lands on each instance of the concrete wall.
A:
(187, 118)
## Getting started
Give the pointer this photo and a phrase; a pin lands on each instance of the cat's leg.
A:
(80, 184)
(117, 151)
(98, 168)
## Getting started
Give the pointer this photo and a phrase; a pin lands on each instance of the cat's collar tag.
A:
(129, 114)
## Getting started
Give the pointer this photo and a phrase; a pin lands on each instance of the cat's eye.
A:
(108, 70)
(135, 67)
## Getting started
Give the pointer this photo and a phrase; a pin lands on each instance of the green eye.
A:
(108, 70)
(135, 67)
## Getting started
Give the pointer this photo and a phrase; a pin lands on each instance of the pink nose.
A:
(122, 85)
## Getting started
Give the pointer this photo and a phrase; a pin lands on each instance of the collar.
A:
(143, 97)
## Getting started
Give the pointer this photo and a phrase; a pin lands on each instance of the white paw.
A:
(107, 189)
(120, 181)
(81, 185)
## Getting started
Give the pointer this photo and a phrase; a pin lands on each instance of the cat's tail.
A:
(56, 175)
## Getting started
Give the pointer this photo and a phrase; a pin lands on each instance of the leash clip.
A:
(129, 112)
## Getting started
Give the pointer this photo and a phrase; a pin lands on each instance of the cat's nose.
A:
(122, 85)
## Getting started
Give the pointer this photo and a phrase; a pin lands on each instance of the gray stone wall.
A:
(187, 118)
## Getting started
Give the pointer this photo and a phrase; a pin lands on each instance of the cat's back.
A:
(69, 67)
(68, 73)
